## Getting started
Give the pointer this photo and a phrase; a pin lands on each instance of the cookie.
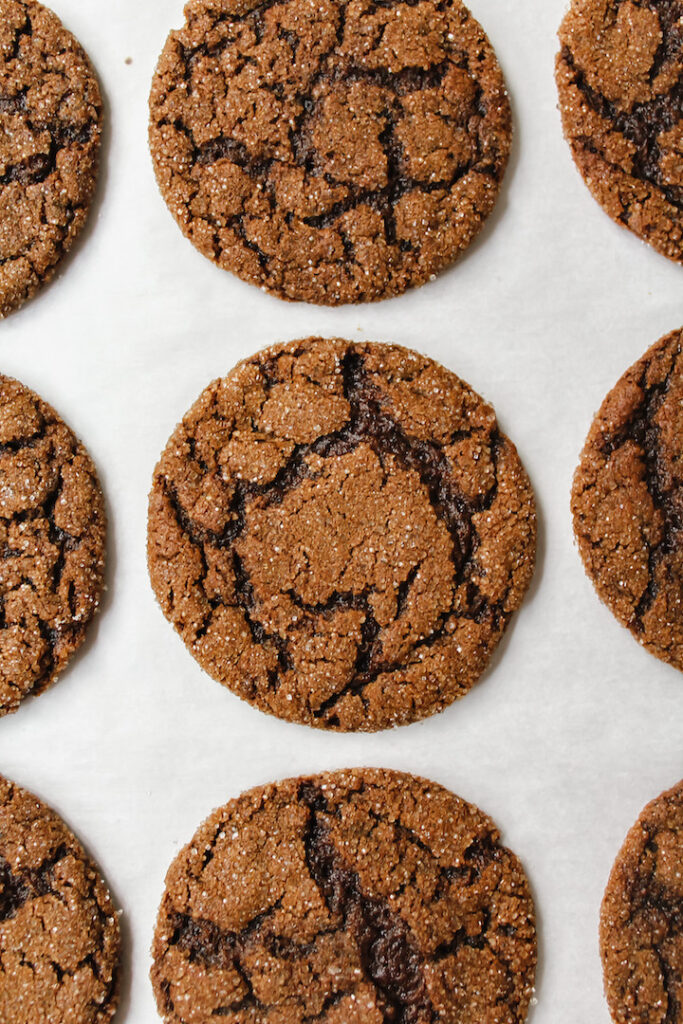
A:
(355, 897)
(641, 925)
(50, 122)
(627, 500)
(59, 932)
(619, 74)
(52, 537)
(340, 533)
(330, 151)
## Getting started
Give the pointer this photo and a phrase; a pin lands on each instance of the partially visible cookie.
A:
(627, 500)
(335, 151)
(52, 544)
(641, 925)
(355, 897)
(620, 79)
(50, 121)
(59, 932)
(340, 533)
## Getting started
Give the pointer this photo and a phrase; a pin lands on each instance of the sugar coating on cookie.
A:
(355, 897)
(50, 122)
(619, 74)
(340, 533)
(331, 151)
(627, 500)
(52, 536)
(59, 931)
(641, 924)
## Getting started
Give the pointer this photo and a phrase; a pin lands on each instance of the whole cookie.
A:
(627, 500)
(641, 925)
(50, 115)
(340, 533)
(620, 79)
(330, 150)
(357, 897)
(59, 933)
(52, 537)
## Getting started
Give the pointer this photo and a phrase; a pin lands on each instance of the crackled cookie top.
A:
(59, 933)
(50, 114)
(620, 78)
(356, 897)
(641, 925)
(627, 500)
(330, 150)
(52, 536)
(340, 533)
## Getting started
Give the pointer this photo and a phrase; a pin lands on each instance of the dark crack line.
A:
(33, 883)
(648, 898)
(641, 126)
(335, 69)
(643, 431)
(52, 634)
(390, 958)
(369, 423)
(388, 953)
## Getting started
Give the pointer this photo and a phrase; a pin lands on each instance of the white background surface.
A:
(572, 729)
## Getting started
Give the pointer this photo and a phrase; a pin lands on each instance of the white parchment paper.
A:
(572, 729)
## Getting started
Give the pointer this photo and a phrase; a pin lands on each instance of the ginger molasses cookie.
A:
(627, 500)
(641, 925)
(52, 536)
(340, 533)
(620, 78)
(59, 932)
(354, 897)
(330, 150)
(50, 117)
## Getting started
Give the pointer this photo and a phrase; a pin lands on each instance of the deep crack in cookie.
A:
(620, 79)
(356, 897)
(52, 544)
(340, 533)
(627, 500)
(50, 123)
(641, 925)
(59, 932)
(330, 150)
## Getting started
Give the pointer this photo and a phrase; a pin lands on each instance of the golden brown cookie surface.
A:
(627, 500)
(340, 533)
(59, 933)
(620, 78)
(332, 152)
(50, 123)
(52, 531)
(356, 896)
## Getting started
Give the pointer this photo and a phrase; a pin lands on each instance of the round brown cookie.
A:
(59, 932)
(620, 78)
(641, 925)
(355, 897)
(627, 500)
(52, 541)
(50, 114)
(340, 533)
(330, 150)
